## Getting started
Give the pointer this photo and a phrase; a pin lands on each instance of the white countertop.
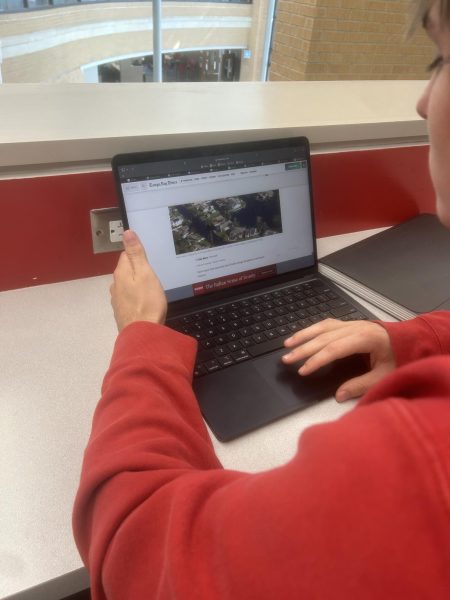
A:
(56, 345)
(73, 124)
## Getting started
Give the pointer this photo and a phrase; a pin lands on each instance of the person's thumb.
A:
(134, 250)
(358, 386)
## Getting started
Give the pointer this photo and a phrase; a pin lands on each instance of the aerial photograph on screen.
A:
(201, 225)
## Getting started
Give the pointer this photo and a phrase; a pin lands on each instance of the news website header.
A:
(208, 164)
(150, 184)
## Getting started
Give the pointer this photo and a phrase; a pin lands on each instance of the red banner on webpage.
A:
(214, 285)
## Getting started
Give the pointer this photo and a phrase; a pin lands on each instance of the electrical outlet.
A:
(115, 231)
(107, 230)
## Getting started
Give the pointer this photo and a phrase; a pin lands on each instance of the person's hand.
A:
(136, 293)
(331, 339)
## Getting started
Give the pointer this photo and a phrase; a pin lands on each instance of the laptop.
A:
(230, 233)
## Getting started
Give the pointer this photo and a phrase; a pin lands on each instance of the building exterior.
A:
(347, 39)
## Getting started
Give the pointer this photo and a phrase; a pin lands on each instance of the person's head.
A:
(434, 104)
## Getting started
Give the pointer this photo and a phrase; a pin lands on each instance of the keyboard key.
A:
(199, 370)
(232, 336)
(265, 347)
(212, 365)
(226, 360)
(240, 355)
(233, 346)
(323, 306)
(340, 311)
(272, 334)
(303, 323)
(337, 302)
(208, 343)
(245, 331)
(269, 324)
(221, 350)
(291, 317)
(302, 314)
(270, 314)
(315, 318)
(259, 338)
(247, 320)
(283, 330)
(281, 320)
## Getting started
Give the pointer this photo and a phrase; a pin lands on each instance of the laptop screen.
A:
(220, 216)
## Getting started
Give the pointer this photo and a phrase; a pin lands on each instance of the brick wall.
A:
(347, 39)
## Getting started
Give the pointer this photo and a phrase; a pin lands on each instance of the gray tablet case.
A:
(408, 264)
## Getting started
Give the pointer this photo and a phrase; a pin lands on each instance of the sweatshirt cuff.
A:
(412, 340)
(151, 340)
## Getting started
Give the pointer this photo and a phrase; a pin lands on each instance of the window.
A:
(222, 40)
(96, 41)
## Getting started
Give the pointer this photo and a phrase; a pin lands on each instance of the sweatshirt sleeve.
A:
(424, 336)
(156, 516)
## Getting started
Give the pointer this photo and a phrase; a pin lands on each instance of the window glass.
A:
(112, 41)
(96, 41)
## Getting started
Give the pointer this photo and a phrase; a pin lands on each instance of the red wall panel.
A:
(46, 235)
(371, 188)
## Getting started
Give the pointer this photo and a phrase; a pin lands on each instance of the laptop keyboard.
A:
(238, 331)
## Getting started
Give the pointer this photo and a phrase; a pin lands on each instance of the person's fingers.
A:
(314, 345)
(358, 386)
(134, 251)
(304, 335)
(339, 348)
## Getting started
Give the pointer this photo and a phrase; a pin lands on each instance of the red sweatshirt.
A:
(362, 511)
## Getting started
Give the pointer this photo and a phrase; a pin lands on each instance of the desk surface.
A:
(56, 345)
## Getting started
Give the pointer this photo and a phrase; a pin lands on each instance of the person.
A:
(362, 510)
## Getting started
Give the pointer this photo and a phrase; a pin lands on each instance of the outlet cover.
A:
(106, 228)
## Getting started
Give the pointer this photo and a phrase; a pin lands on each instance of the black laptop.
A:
(230, 233)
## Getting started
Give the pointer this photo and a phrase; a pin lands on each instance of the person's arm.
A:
(157, 517)
(427, 335)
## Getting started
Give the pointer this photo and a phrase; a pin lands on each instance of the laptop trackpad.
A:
(247, 396)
